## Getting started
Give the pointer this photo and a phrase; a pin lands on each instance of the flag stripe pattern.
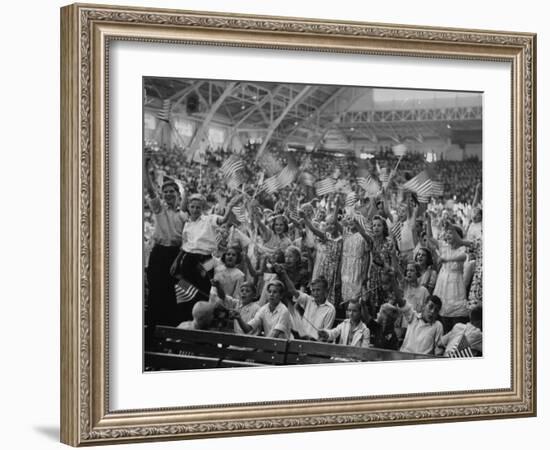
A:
(282, 179)
(325, 186)
(424, 187)
(185, 291)
(240, 213)
(417, 181)
(396, 230)
(351, 199)
(293, 212)
(232, 171)
(462, 349)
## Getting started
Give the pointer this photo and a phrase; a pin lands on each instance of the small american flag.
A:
(396, 230)
(164, 112)
(425, 189)
(462, 349)
(418, 181)
(240, 213)
(185, 291)
(351, 199)
(325, 186)
(232, 171)
(282, 179)
(272, 184)
(384, 176)
(288, 174)
(293, 212)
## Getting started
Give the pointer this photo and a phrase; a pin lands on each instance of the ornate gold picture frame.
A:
(87, 32)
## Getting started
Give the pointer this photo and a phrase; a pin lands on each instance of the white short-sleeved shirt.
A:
(345, 334)
(199, 236)
(320, 316)
(169, 223)
(270, 321)
(421, 336)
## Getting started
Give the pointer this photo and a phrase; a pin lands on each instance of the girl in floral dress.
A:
(328, 253)
(383, 258)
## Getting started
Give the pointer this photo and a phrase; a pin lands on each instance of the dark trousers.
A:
(449, 322)
(191, 269)
(161, 298)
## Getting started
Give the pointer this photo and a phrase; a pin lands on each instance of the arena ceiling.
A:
(321, 116)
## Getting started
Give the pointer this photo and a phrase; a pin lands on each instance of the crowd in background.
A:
(385, 270)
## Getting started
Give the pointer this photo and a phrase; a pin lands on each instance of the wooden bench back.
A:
(193, 349)
(311, 352)
(239, 347)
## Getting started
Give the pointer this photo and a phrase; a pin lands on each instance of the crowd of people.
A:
(385, 270)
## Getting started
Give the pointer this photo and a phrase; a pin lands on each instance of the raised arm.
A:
(362, 231)
(312, 227)
(476, 195)
(281, 272)
(250, 267)
(228, 209)
(151, 191)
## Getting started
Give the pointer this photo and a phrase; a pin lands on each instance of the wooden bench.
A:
(192, 349)
(207, 349)
(311, 352)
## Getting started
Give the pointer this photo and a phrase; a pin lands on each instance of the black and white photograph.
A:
(289, 224)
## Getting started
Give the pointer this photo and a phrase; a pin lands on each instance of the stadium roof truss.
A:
(310, 114)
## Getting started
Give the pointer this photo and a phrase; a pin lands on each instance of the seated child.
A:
(203, 315)
(471, 331)
(382, 329)
(351, 331)
(424, 331)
